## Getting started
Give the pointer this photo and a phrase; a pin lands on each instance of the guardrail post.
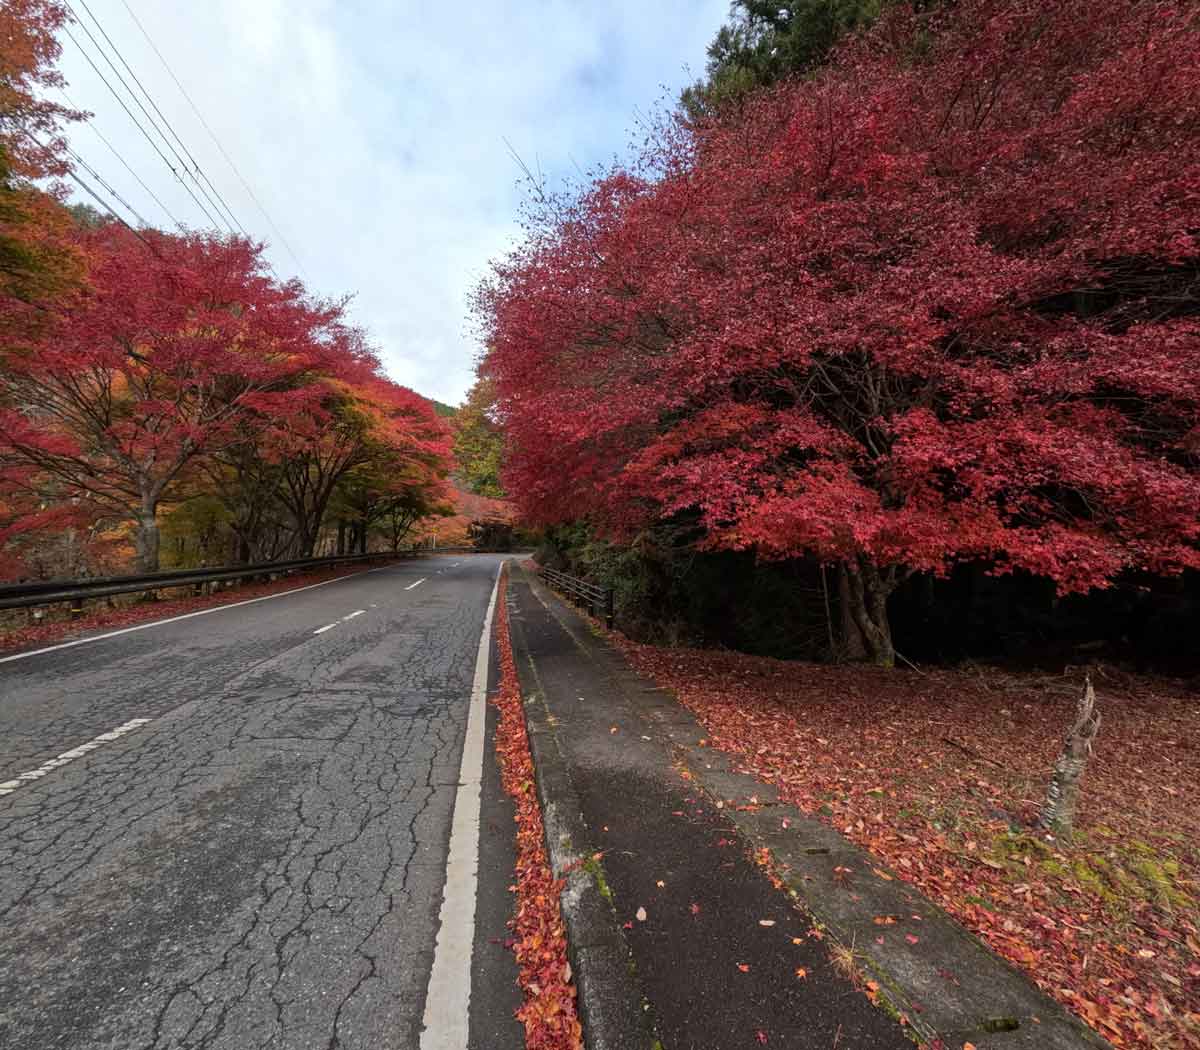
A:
(76, 608)
(609, 608)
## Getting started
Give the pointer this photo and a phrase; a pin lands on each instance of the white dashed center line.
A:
(327, 627)
(357, 612)
(9, 786)
(417, 584)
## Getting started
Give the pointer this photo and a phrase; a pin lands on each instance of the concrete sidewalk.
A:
(678, 938)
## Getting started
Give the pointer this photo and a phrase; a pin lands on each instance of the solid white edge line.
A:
(9, 786)
(327, 627)
(176, 619)
(417, 584)
(448, 998)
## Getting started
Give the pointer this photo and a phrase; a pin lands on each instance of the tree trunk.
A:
(868, 604)
(341, 541)
(362, 537)
(853, 649)
(146, 536)
(1058, 813)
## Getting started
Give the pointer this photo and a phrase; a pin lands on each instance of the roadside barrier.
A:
(598, 600)
(54, 592)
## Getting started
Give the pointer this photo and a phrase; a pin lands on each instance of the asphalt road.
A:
(261, 862)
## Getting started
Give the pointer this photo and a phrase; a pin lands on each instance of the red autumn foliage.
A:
(939, 775)
(934, 303)
(37, 259)
(29, 121)
(186, 356)
(468, 510)
(549, 1014)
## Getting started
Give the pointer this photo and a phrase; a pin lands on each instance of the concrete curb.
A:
(609, 1001)
(989, 1002)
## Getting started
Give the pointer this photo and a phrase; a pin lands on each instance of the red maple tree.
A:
(935, 303)
(175, 347)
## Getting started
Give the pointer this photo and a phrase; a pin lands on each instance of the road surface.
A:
(245, 841)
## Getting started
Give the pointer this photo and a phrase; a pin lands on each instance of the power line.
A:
(219, 204)
(105, 184)
(95, 196)
(115, 153)
(104, 204)
(130, 114)
(213, 136)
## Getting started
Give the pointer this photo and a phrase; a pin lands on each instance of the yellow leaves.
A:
(801, 973)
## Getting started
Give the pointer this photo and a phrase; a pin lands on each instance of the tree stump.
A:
(1058, 812)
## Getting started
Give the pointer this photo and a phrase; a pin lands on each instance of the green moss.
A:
(1053, 867)
(1131, 875)
(1090, 880)
(983, 902)
(1012, 849)
(1160, 879)
(592, 867)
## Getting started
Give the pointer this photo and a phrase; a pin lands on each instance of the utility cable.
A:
(219, 204)
(213, 136)
(128, 167)
(137, 123)
(107, 186)
(100, 200)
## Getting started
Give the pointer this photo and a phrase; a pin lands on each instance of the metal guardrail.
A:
(595, 597)
(53, 592)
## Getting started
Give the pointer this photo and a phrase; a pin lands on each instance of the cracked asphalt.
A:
(261, 865)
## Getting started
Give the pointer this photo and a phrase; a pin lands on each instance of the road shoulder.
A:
(922, 965)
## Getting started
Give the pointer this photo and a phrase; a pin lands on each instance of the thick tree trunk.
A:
(362, 537)
(868, 592)
(146, 537)
(1058, 813)
(341, 540)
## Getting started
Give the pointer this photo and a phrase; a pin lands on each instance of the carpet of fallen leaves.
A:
(941, 774)
(128, 611)
(539, 937)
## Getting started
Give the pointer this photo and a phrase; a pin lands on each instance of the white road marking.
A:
(417, 584)
(448, 997)
(357, 612)
(174, 619)
(9, 786)
(328, 626)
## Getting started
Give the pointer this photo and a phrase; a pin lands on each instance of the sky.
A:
(375, 134)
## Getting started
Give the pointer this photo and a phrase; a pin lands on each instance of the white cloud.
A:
(374, 133)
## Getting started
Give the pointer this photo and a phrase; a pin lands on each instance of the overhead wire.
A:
(195, 171)
(217, 142)
(71, 173)
(107, 186)
(138, 124)
(128, 167)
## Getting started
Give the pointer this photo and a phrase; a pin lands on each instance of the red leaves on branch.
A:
(933, 303)
(549, 1013)
(186, 356)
